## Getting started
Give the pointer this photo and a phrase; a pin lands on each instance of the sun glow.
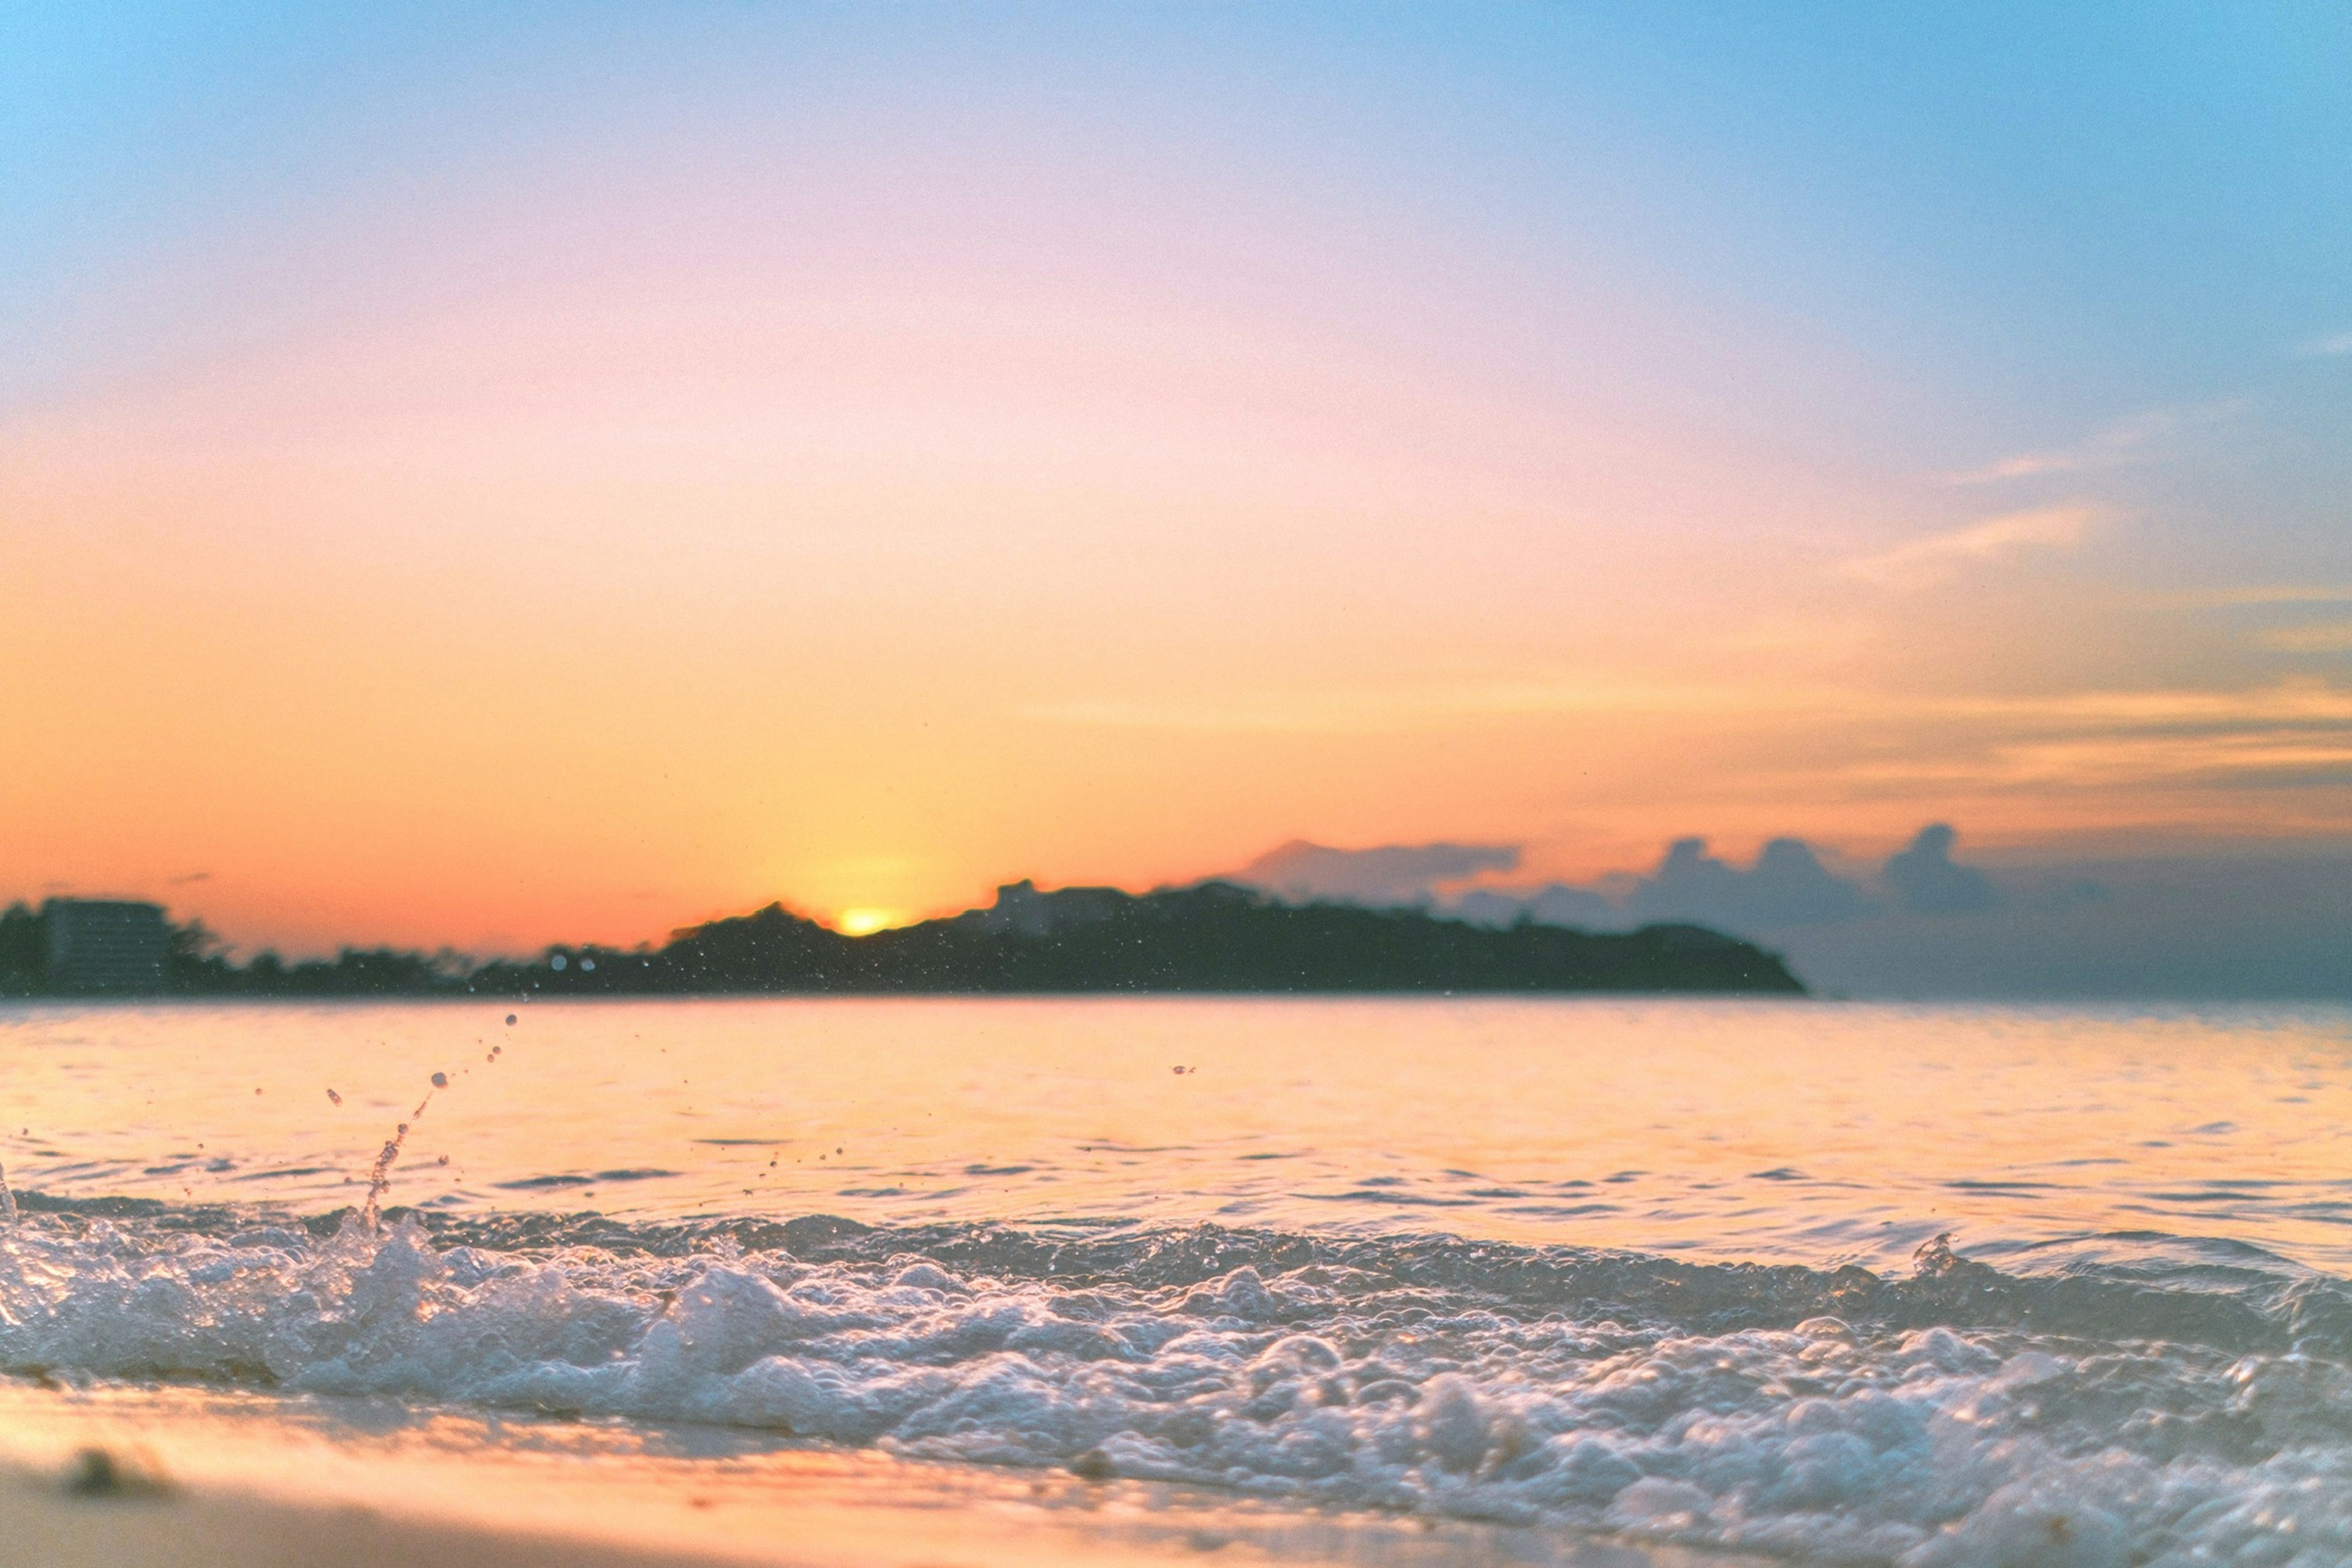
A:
(865, 923)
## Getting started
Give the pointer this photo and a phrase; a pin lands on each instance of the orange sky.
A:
(577, 531)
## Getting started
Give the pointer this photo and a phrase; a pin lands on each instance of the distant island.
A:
(1211, 937)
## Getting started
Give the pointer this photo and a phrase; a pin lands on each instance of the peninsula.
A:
(1211, 937)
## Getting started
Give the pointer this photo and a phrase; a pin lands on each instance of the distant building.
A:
(1022, 911)
(105, 945)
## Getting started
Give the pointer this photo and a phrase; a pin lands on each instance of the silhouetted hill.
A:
(1214, 937)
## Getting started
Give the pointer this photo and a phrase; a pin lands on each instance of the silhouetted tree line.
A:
(1210, 938)
(196, 963)
(24, 949)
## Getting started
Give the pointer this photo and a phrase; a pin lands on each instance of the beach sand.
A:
(207, 1480)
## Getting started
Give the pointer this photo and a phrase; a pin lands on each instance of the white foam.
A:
(1931, 1446)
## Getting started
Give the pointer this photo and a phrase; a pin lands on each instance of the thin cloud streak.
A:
(2237, 598)
(2327, 636)
(2290, 703)
(1929, 560)
(2136, 437)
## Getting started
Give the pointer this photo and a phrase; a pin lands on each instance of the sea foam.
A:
(1956, 1416)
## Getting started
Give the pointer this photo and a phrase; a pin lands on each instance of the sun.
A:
(864, 923)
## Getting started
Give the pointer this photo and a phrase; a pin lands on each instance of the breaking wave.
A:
(2105, 1416)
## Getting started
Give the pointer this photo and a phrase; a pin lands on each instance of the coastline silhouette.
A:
(1211, 937)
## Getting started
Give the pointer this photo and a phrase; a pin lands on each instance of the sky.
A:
(487, 475)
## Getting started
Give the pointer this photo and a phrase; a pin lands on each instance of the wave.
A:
(2104, 1415)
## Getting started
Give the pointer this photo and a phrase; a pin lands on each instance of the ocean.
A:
(1824, 1281)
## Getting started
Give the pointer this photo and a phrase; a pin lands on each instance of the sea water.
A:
(1846, 1283)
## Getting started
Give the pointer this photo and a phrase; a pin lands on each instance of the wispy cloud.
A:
(2136, 437)
(1411, 706)
(2224, 730)
(2259, 594)
(2291, 704)
(1924, 561)
(2324, 636)
(1385, 874)
(2333, 345)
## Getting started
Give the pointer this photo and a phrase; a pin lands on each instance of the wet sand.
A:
(203, 1480)
(40, 1524)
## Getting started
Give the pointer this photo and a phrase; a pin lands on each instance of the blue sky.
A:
(2095, 204)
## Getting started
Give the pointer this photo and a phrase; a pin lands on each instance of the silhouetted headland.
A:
(1213, 937)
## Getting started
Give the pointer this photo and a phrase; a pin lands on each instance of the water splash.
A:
(380, 1173)
(8, 1199)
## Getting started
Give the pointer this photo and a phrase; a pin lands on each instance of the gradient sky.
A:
(484, 474)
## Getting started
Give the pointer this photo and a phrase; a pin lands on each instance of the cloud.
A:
(2166, 918)
(1788, 886)
(1557, 904)
(1927, 560)
(2322, 636)
(1385, 873)
(1357, 709)
(2066, 893)
(2333, 347)
(2258, 596)
(1561, 905)
(2133, 439)
(1926, 882)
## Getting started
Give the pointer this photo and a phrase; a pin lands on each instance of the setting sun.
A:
(865, 923)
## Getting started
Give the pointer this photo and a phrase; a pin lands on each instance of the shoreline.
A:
(1041, 993)
(197, 1479)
